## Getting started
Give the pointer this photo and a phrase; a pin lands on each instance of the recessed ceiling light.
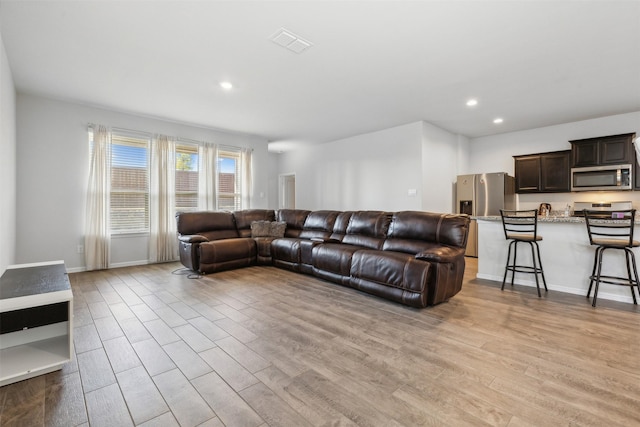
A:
(498, 120)
(472, 103)
(226, 85)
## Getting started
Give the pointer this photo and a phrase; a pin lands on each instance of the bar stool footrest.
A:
(524, 269)
(615, 280)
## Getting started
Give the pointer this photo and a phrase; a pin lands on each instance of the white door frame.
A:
(286, 194)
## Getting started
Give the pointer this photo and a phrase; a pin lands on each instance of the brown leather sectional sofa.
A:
(415, 258)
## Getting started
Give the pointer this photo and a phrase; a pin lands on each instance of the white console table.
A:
(36, 320)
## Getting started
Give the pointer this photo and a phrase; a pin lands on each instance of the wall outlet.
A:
(412, 192)
(80, 249)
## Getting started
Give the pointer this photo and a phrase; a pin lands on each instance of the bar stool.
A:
(522, 227)
(612, 230)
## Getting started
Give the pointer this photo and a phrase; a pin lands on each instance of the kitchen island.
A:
(567, 257)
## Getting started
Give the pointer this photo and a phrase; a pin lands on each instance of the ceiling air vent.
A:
(291, 41)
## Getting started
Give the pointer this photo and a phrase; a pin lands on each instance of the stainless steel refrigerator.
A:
(483, 195)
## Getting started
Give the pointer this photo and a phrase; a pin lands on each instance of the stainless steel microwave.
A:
(609, 177)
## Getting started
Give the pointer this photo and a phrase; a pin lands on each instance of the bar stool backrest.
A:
(520, 225)
(610, 227)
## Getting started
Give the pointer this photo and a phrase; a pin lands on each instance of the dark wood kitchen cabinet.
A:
(604, 150)
(543, 172)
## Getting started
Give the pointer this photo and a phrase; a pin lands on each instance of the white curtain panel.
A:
(247, 177)
(207, 177)
(163, 239)
(97, 238)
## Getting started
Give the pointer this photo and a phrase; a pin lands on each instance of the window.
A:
(186, 177)
(129, 184)
(229, 180)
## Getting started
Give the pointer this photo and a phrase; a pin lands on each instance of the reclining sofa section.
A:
(414, 258)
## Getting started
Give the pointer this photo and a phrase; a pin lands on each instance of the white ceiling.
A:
(373, 64)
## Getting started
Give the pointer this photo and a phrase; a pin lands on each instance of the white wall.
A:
(442, 152)
(373, 171)
(494, 154)
(52, 172)
(7, 163)
(408, 167)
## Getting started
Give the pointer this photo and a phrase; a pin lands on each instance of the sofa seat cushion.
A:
(395, 269)
(227, 250)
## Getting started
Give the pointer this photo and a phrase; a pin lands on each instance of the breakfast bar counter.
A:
(567, 257)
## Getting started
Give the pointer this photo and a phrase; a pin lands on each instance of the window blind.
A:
(129, 183)
(229, 180)
(186, 177)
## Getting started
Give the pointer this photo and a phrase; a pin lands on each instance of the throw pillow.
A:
(260, 228)
(278, 228)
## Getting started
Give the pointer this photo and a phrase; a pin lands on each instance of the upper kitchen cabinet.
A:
(543, 172)
(604, 150)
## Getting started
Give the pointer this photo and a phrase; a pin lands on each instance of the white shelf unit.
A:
(35, 341)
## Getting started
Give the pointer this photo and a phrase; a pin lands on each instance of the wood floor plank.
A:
(86, 338)
(232, 410)
(194, 338)
(271, 408)
(95, 370)
(141, 395)
(185, 402)
(134, 330)
(161, 332)
(108, 328)
(106, 408)
(242, 354)
(153, 357)
(208, 328)
(187, 360)
(169, 316)
(121, 355)
(231, 371)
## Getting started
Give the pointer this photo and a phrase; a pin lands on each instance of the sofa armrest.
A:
(441, 254)
(192, 238)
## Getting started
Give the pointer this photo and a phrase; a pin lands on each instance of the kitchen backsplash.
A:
(559, 201)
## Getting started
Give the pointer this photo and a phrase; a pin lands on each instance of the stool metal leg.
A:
(506, 267)
(535, 267)
(632, 281)
(595, 292)
(515, 260)
(593, 272)
(635, 274)
(544, 281)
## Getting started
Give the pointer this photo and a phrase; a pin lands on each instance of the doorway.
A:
(287, 191)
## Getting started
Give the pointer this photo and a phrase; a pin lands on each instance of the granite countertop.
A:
(558, 219)
(551, 218)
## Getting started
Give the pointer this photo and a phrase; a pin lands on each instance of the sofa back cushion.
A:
(319, 225)
(340, 226)
(413, 231)
(295, 220)
(367, 229)
(245, 217)
(212, 225)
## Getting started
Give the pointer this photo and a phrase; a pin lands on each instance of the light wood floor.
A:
(262, 346)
